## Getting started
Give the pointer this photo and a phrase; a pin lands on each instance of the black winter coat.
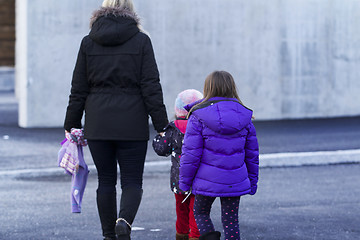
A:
(116, 81)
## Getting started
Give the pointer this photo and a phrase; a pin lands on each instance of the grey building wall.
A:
(290, 58)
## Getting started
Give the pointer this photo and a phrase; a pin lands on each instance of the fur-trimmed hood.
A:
(113, 26)
(116, 12)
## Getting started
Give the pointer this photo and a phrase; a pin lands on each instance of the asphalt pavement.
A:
(308, 187)
(292, 203)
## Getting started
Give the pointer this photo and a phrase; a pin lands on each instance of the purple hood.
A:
(228, 117)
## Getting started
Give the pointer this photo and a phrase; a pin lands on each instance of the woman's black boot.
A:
(122, 229)
(211, 236)
(106, 203)
(129, 205)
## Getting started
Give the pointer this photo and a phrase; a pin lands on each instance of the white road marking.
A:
(137, 229)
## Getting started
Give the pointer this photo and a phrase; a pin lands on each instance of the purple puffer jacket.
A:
(220, 155)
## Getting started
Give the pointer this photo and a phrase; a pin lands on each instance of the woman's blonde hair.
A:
(125, 4)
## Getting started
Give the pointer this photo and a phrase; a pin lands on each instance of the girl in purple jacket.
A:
(220, 155)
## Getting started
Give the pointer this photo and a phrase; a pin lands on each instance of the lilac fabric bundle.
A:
(71, 158)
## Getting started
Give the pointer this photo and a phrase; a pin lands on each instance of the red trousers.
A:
(185, 221)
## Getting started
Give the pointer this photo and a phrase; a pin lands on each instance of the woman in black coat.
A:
(116, 82)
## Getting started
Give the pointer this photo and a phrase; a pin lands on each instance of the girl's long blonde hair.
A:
(126, 4)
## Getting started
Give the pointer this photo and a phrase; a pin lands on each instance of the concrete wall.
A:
(48, 39)
(290, 58)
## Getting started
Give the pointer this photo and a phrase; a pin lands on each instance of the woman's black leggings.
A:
(229, 215)
(130, 155)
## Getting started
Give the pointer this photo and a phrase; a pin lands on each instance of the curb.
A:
(271, 160)
(310, 158)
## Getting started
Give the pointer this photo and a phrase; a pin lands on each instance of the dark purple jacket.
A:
(220, 155)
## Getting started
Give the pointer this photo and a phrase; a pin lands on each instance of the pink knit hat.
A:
(184, 98)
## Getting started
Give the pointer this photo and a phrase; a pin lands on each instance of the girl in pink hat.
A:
(170, 143)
